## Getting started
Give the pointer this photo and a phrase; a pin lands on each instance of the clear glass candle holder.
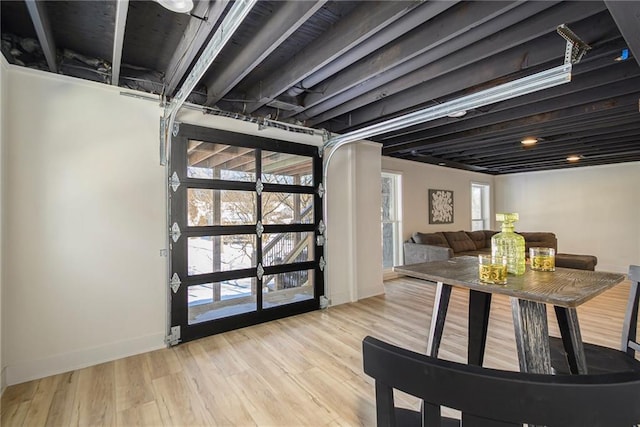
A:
(542, 259)
(492, 269)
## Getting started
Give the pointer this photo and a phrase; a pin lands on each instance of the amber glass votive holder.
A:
(492, 269)
(542, 259)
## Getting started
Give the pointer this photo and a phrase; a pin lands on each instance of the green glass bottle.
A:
(510, 244)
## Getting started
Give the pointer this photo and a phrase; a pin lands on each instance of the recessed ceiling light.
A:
(178, 6)
(442, 164)
(573, 158)
(457, 114)
(529, 140)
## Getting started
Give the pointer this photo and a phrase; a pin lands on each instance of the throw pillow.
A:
(436, 239)
(459, 241)
(478, 238)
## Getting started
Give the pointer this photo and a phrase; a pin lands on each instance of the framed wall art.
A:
(440, 206)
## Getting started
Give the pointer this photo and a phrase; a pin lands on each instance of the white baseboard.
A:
(23, 371)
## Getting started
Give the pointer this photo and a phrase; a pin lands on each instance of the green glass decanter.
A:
(510, 244)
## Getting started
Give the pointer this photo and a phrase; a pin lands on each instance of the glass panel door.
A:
(248, 218)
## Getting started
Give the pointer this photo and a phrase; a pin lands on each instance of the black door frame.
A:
(178, 214)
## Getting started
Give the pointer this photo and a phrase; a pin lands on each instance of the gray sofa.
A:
(425, 247)
(442, 245)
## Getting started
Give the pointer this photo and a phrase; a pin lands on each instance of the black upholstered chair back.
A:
(488, 397)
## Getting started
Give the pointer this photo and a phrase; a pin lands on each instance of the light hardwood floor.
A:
(303, 370)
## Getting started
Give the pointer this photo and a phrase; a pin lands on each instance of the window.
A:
(391, 220)
(480, 209)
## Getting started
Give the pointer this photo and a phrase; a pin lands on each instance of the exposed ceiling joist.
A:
(621, 103)
(118, 39)
(581, 81)
(193, 40)
(289, 16)
(455, 67)
(444, 27)
(395, 98)
(41, 24)
(366, 20)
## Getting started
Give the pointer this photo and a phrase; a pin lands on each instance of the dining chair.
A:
(601, 359)
(488, 397)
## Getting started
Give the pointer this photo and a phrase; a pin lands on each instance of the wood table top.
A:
(564, 287)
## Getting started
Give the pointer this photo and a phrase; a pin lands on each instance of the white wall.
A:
(418, 178)
(368, 231)
(3, 129)
(592, 210)
(84, 221)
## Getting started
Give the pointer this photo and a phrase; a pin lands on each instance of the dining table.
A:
(530, 294)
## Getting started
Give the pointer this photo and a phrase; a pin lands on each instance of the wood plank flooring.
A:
(303, 370)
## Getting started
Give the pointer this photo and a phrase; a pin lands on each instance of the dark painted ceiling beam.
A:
(627, 17)
(484, 155)
(434, 32)
(551, 134)
(196, 35)
(362, 23)
(622, 103)
(531, 112)
(569, 140)
(544, 129)
(492, 162)
(285, 20)
(122, 7)
(606, 73)
(37, 12)
(502, 36)
(488, 59)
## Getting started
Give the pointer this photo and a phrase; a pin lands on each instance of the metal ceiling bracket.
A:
(175, 232)
(174, 181)
(259, 271)
(175, 282)
(163, 142)
(174, 337)
(259, 186)
(576, 47)
(259, 229)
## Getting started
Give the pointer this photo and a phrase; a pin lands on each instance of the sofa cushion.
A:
(436, 239)
(488, 234)
(459, 241)
(539, 239)
(479, 239)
